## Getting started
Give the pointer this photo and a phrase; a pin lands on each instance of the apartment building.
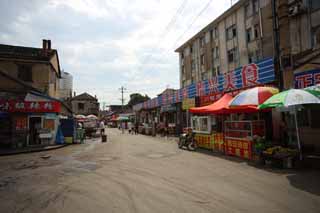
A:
(241, 35)
(299, 42)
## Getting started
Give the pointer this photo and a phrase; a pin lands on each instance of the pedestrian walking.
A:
(122, 127)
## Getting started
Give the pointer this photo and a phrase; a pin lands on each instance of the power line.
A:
(193, 21)
(167, 29)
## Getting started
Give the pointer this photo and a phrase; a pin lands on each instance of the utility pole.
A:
(122, 89)
(276, 44)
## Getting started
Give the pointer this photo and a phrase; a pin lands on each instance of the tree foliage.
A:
(137, 98)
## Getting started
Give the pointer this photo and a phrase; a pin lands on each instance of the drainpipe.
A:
(276, 45)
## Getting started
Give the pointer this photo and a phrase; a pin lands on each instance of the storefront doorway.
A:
(34, 130)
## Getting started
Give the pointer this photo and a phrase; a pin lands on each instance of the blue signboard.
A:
(258, 73)
(307, 78)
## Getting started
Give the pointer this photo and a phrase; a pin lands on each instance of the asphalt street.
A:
(136, 173)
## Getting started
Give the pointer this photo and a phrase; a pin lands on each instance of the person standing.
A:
(122, 127)
(102, 127)
(136, 128)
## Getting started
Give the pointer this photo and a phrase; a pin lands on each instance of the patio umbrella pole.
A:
(298, 135)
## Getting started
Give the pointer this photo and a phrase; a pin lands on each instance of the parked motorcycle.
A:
(186, 139)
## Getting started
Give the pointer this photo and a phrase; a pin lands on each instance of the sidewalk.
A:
(30, 149)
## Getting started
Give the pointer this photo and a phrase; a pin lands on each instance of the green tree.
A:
(137, 98)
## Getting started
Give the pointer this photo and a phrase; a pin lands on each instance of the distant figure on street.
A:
(130, 128)
(122, 127)
(102, 127)
(136, 128)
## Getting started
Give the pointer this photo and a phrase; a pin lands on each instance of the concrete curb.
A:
(42, 149)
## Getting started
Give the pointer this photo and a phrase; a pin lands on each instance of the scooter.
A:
(186, 139)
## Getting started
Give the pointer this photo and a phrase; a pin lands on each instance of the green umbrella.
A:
(315, 90)
(289, 98)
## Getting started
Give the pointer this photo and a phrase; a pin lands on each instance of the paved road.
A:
(135, 173)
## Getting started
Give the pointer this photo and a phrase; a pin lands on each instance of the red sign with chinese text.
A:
(240, 148)
(30, 106)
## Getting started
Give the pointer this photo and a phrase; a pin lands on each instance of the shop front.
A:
(32, 123)
(168, 119)
(308, 121)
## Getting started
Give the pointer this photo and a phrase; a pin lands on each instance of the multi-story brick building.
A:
(241, 35)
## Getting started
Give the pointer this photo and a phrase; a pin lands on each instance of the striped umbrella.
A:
(253, 97)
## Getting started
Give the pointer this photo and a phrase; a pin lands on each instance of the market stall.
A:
(207, 123)
(242, 130)
(239, 136)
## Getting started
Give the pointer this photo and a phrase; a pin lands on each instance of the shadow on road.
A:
(306, 180)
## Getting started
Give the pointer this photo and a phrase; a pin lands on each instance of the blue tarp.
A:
(59, 136)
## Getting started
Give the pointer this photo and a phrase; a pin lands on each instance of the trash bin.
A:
(103, 138)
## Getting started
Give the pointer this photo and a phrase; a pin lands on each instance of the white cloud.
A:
(105, 44)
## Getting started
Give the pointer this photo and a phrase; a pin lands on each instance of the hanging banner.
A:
(29, 106)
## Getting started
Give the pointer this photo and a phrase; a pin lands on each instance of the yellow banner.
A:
(188, 103)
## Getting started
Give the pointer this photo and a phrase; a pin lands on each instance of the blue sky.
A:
(106, 44)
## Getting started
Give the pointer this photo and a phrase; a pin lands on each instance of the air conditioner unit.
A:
(293, 10)
(297, 8)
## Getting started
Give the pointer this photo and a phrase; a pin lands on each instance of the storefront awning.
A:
(218, 107)
(222, 106)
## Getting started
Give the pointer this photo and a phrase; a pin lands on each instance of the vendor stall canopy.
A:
(219, 107)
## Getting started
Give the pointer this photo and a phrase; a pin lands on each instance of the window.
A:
(215, 52)
(204, 76)
(214, 72)
(202, 42)
(251, 58)
(201, 124)
(218, 70)
(248, 35)
(202, 59)
(232, 55)
(315, 4)
(255, 6)
(25, 72)
(182, 55)
(231, 32)
(193, 65)
(211, 35)
(191, 49)
(81, 106)
(257, 55)
(247, 10)
(256, 31)
(215, 32)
